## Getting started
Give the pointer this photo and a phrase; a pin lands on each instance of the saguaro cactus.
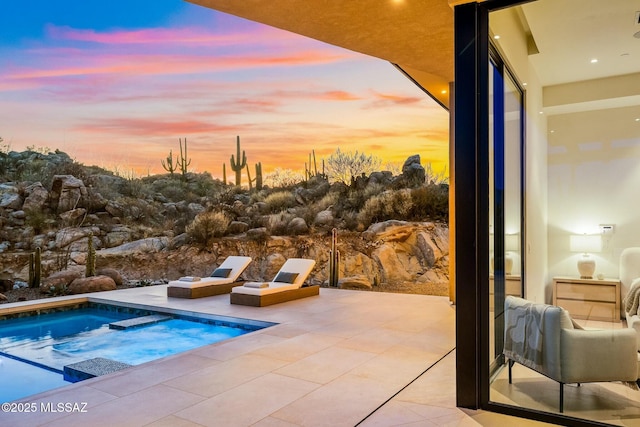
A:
(183, 162)
(334, 259)
(91, 258)
(224, 173)
(259, 176)
(238, 165)
(35, 268)
(169, 165)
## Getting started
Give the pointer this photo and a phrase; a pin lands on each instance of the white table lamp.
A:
(586, 243)
(511, 244)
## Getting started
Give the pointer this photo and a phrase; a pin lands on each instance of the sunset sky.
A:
(116, 83)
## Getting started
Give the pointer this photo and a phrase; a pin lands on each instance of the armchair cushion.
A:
(598, 355)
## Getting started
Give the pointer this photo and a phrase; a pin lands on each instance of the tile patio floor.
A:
(343, 358)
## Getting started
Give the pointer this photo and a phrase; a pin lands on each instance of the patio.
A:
(344, 358)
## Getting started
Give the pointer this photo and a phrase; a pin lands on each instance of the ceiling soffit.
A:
(415, 35)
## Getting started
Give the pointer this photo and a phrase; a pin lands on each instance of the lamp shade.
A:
(585, 243)
(512, 242)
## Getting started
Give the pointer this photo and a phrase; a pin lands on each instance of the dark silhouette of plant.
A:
(346, 166)
(169, 166)
(236, 164)
(183, 163)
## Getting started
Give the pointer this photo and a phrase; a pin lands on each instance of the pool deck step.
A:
(91, 368)
(139, 321)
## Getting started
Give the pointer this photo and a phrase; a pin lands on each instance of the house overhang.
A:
(416, 36)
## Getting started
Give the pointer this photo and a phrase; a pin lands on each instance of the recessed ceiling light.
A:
(541, 112)
(638, 120)
(553, 131)
(443, 91)
(594, 60)
(524, 84)
(497, 36)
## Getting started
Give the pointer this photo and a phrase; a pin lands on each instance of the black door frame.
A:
(471, 157)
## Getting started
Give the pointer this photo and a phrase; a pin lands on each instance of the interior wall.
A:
(594, 171)
(513, 45)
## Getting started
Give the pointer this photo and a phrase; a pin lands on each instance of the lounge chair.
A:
(221, 281)
(286, 286)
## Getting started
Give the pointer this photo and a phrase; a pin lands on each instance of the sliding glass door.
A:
(506, 222)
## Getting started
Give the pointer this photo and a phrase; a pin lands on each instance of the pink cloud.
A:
(386, 99)
(150, 128)
(339, 95)
(190, 36)
(141, 64)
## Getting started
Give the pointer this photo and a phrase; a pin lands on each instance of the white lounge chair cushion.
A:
(293, 265)
(237, 264)
(205, 281)
(273, 288)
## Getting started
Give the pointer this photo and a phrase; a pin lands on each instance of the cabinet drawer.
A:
(590, 310)
(586, 292)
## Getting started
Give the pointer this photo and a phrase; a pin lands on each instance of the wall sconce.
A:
(586, 244)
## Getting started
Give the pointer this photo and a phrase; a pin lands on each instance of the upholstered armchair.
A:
(545, 339)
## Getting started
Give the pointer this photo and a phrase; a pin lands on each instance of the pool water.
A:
(35, 349)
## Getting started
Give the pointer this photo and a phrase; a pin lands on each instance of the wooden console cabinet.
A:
(589, 299)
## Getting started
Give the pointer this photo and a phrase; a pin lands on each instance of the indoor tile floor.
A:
(343, 358)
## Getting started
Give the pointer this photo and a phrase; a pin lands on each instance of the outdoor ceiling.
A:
(417, 36)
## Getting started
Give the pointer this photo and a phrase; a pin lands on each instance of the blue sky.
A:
(116, 83)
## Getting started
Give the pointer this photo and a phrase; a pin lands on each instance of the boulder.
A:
(355, 282)
(237, 227)
(396, 264)
(298, 226)
(83, 285)
(67, 236)
(67, 192)
(95, 201)
(149, 245)
(324, 218)
(357, 264)
(37, 197)
(9, 198)
(413, 172)
(73, 216)
(111, 272)
(57, 282)
(114, 209)
(259, 234)
(117, 237)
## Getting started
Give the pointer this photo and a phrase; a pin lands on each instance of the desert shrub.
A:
(344, 166)
(208, 225)
(358, 198)
(387, 205)
(280, 200)
(37, 219)
(430, 202)
(308, 213)
(283, 178)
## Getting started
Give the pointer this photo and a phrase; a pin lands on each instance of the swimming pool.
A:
(35, 349)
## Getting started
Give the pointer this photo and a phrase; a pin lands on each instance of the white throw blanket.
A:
(523, 335)
(632, 301)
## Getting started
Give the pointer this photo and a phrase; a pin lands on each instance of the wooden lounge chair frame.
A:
(276, 297)
(255, 297)
(200, 290)
(203, 291)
